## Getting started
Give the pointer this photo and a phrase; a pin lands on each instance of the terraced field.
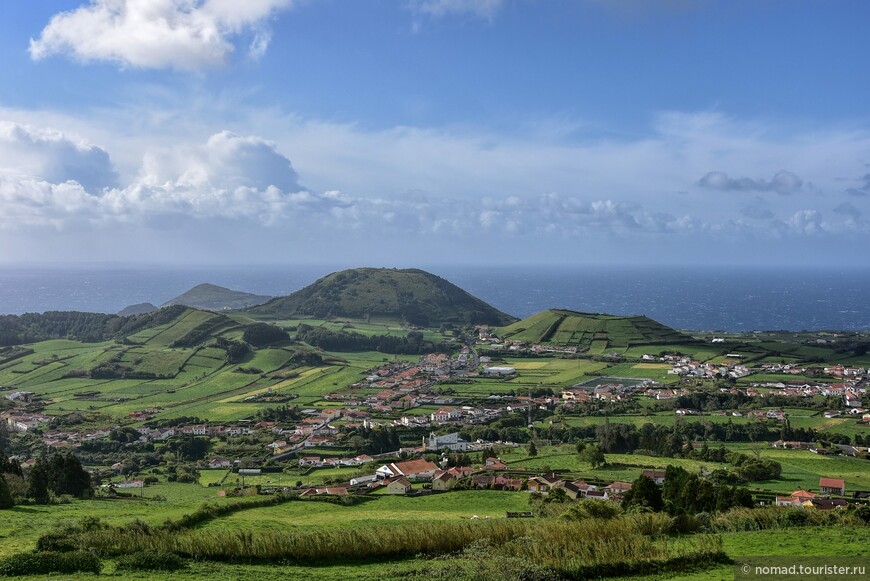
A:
(596, 333)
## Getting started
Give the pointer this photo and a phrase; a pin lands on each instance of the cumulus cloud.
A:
(230, 176)
(53, 156)
(246, 178)
(409, 187)
(486, 9)
(784, 182)
(806, 222)
(179, 34)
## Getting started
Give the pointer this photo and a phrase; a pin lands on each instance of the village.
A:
(388, 395)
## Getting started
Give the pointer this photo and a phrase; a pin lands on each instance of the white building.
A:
(450, 441)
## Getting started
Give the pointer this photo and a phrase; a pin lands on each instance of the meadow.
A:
(21, 526)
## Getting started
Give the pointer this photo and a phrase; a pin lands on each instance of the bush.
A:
(49, 562)
(151, 561)
(685, 523)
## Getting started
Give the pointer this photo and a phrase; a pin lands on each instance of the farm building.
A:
(832, 486)
(419, 469)
(399, 486)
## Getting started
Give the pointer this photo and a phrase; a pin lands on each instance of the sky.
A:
(414, 132)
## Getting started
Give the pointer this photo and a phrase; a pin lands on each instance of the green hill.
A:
(79, 326)
(411, 295)
(591, 331)
(137, 309)
(216, 298)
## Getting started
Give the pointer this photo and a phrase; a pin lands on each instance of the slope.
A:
(591, 330)
(412, 295)
(216, 298)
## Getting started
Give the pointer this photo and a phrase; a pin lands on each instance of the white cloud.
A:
(486, 9)
(54, 156)
(410, 188)
(784, 182)
(806, 222)
(179, 34)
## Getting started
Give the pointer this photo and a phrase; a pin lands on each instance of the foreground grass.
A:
(811, 541)
(21, 526)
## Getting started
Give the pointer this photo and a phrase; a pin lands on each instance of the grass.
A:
(385, 510)
(809, 541)
(22, 525)
(802, 469)
(625, 467)
(577, 548)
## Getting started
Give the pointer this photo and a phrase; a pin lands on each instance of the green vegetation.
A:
(412, 295)
(49, 562)
(594, 332)
(216, 298)
(181, 366)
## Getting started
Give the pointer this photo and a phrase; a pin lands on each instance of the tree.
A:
(66, 475)
(264, 334)
(5, 495)
(594, 456)
(533, 450)
(644, 493)
(37, 482)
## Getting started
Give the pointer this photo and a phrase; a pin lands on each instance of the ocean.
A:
(696, 298)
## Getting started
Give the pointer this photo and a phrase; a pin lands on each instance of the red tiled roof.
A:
(412, 467)
(832, 483)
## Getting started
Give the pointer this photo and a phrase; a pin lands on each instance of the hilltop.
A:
(216, 298)
(591, 330)
(412, 295)
(137, 309)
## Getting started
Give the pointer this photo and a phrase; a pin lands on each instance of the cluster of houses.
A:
(609, 392)
(23, 421)
(691, 368)
(844, 449)
(400, 477)
(487, 339)
(828, 487)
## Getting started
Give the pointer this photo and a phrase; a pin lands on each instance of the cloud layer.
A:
(784, 182)
(178, 34)
(415, 189)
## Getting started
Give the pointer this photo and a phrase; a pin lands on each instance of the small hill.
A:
(216, 298)
(595, 332)
(137, 309)
(412, 295)
(79, 326)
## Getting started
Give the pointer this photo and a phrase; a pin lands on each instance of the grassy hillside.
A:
(412, 295)
(595, 332)
(175, 359)
(216, 298)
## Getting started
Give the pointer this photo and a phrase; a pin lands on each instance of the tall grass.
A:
(631, 543)
(780, 517)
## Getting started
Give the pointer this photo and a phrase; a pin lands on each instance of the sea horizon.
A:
(701, 298)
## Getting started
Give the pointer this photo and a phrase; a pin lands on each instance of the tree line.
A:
(411, 344)
(61, 474)
(85, 327)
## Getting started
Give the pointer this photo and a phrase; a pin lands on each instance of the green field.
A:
(381, 510)
(22, 525)
(596, 333)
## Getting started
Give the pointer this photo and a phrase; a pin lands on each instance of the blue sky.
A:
(434, 131)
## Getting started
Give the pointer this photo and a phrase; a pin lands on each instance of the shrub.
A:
(49, 562)
(151, 561)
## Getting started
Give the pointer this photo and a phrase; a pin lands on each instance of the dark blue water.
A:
(733, 298)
